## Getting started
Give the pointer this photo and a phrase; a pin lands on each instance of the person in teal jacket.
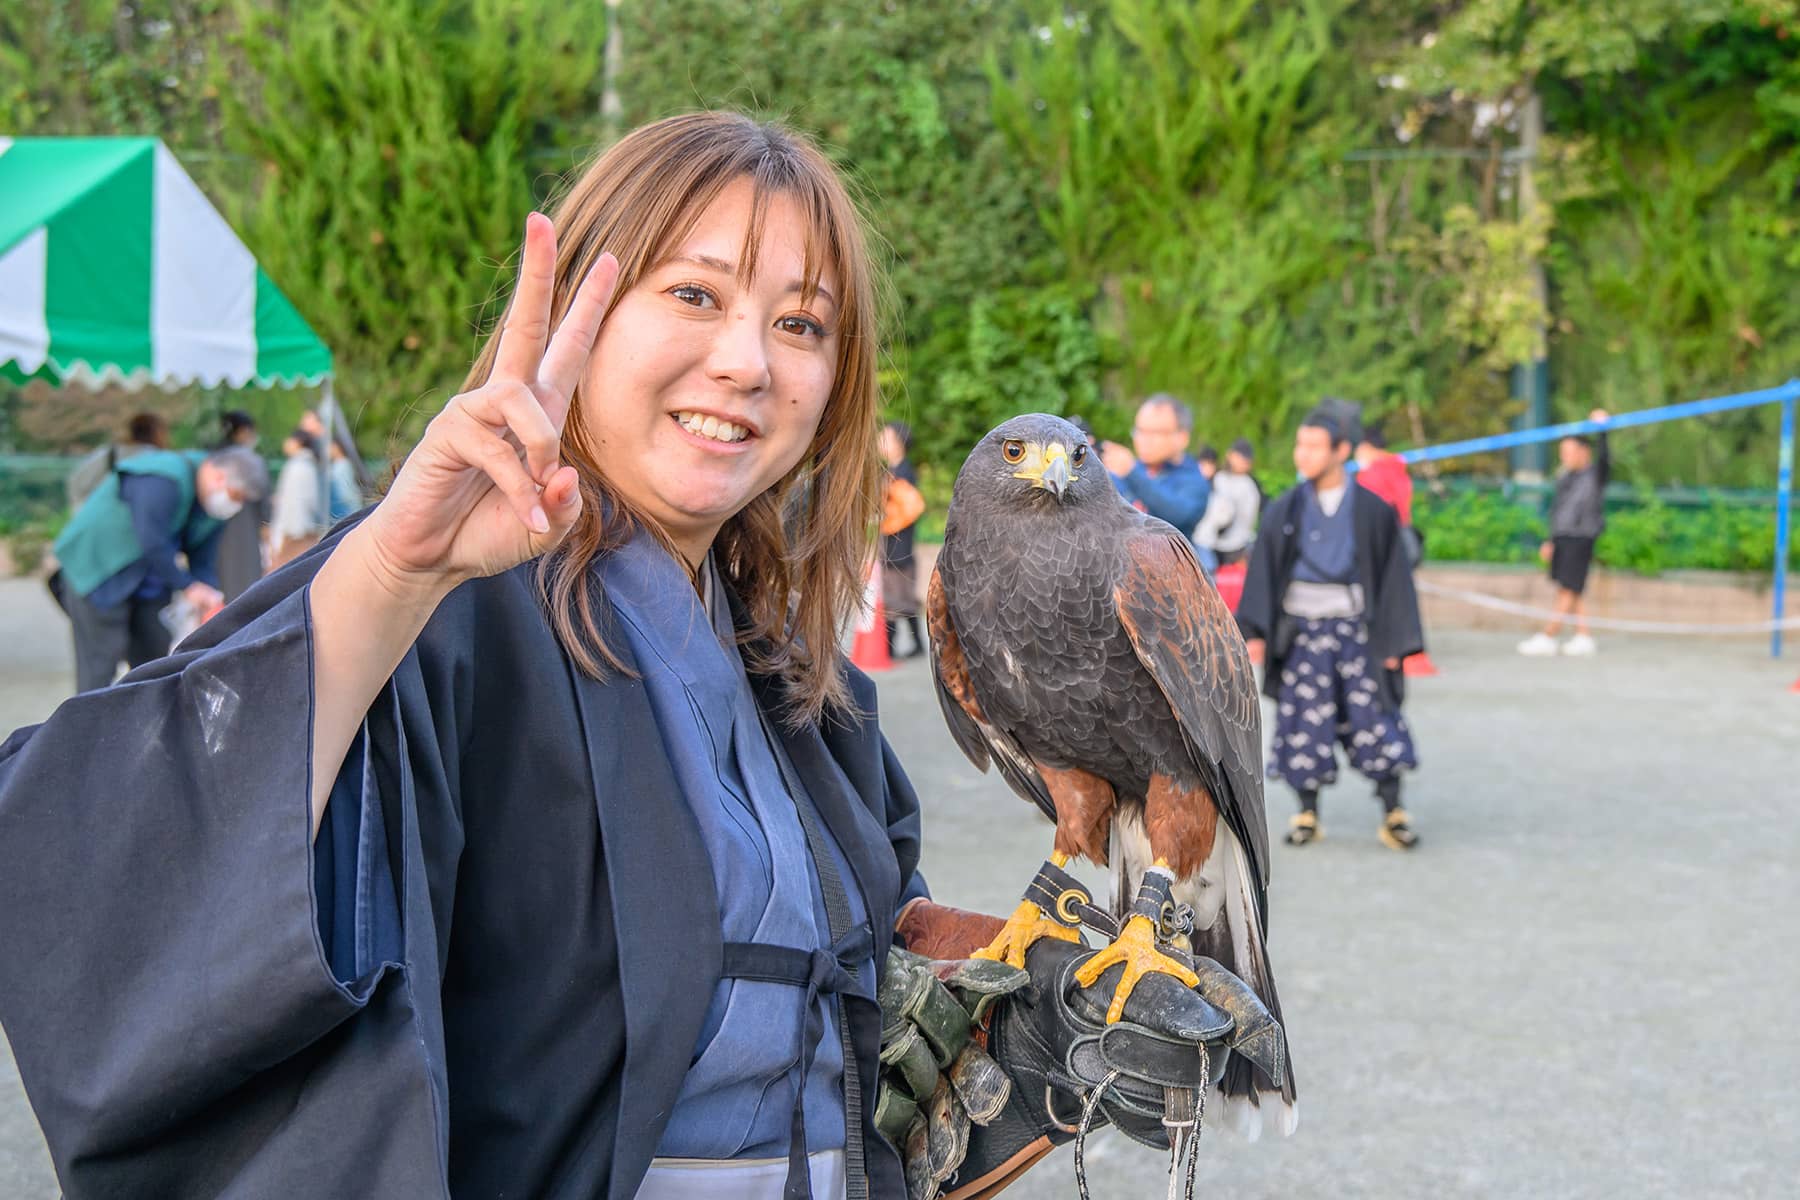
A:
(121, 555)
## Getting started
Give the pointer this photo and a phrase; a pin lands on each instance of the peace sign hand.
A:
(485, 489)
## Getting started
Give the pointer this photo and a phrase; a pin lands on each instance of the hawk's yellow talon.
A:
(1027, 924)
(1136, 948)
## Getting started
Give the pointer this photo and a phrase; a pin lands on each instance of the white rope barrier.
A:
(1620, 624)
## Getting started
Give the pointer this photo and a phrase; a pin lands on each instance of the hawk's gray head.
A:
(1036, 460)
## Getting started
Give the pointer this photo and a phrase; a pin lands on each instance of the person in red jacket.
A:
(1384, 473)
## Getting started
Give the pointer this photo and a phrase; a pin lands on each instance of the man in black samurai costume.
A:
(1329, 606)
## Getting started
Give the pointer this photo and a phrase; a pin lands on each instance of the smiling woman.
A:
(746, 296)
(529, 836)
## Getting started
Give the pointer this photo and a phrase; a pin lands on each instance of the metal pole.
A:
(1784, 505)
(611, 111)
(1531, 379)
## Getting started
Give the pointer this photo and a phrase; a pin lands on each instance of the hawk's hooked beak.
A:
(1051, 470)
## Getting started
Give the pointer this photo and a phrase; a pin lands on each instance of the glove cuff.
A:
(933, 930)
(1002, 1176)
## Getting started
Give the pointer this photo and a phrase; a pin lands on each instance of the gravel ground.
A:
(1573, 988)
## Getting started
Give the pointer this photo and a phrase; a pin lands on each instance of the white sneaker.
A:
(1538, 645)
(1580, 646)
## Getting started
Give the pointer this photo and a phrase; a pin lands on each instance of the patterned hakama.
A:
(1329, 694)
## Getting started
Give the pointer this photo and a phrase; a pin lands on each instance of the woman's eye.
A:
(693, 294)
(1013, 451)
(800, 326)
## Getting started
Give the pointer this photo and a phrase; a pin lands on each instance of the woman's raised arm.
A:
(483, 491)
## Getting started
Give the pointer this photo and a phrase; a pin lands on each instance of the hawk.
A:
(1077, 645)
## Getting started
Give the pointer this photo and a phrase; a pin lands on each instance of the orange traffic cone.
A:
(869, 651)
(1418, 665)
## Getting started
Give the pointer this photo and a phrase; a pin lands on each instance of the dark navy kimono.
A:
(532, 934)
(1390, 603)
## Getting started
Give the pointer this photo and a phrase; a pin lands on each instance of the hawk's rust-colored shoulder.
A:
(946, 652)
(1189, 642)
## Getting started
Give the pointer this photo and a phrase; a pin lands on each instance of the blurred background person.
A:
(237, 428)
(1329, 605)
(1229, 524)
(239, 557)
(1387, 475)
(298, 517)
(1207, 459)
(1577, 518)
(1241, 458)
(346, 493)
(145, 535)
(902, 506)
(1160, 478)
(144, 431)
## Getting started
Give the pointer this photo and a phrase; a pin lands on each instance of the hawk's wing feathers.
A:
(978, 739)
(1189, 642)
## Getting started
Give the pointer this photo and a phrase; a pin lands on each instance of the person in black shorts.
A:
(1577, 517)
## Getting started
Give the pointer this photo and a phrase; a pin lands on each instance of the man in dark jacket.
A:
(1577, 516)
(1329, 606)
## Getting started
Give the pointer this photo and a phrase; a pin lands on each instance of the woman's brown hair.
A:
(796, 554)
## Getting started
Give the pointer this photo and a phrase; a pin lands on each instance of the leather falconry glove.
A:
(1145, 1074)
(937, 1080)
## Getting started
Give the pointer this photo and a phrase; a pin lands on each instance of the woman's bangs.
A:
(822, 248)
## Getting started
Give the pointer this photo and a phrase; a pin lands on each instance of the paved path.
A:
(1578, 986)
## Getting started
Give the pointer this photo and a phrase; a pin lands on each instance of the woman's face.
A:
(701, 393)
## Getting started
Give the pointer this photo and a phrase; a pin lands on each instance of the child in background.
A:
(901, 509)
(1577, 517)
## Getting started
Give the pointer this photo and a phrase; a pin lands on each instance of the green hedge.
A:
(1645, 533)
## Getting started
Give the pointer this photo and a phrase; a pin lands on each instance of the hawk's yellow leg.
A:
(1026, 925)
(1136, 948)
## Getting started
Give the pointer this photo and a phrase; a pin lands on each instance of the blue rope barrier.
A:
(1786, 395)
(1649, 416)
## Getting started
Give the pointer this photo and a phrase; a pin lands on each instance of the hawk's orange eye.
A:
(1013, 451)
(1080, 455)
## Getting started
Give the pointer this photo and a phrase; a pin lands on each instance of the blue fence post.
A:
(1784, 505)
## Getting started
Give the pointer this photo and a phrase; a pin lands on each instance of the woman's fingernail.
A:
(539, 522)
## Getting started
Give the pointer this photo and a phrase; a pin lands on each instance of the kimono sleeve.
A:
(1260, 602)
(185, 1018)
(1397, 629)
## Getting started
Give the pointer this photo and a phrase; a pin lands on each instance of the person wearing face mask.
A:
(531, 835)
(147, 532)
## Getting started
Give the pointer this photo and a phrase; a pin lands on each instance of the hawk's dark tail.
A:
(1228, 929)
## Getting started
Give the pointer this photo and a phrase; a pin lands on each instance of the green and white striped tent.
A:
(114, 267)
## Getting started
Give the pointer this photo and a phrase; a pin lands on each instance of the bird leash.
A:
(1184, 1115)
